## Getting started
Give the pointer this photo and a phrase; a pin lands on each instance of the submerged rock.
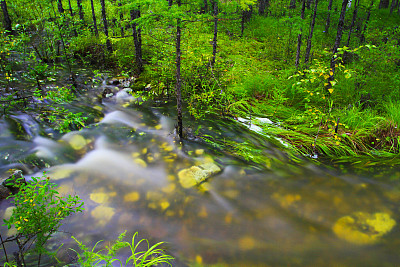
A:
(195, 175)
(11, 184)
(363, 228)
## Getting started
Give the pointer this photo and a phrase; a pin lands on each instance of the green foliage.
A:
(393, 111)
(39, 211)
(151, 256)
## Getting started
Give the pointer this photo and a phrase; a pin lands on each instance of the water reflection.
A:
(126, 167)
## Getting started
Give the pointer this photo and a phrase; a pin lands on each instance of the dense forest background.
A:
(321, 69)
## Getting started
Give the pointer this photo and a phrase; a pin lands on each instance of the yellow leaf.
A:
(331, 73)
(330, 90)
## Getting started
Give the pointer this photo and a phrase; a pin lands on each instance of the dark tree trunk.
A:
(135, 14)
(262, 4)
(70, 8)
(292, 4)
(121, 18)
(303, 7)
(393, 6)
(308, 49)
(169, 2)
(105, 24)
(80, 10)
(7, 20)
(328, 18)
(246, 16)
(353, 21)
(215, 4)
(60, 6)
(383, 4)
(205, 7)
(178, 75)
(96, 31)
(337, 42)
(362, 36)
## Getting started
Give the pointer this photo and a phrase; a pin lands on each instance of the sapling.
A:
(38, 214)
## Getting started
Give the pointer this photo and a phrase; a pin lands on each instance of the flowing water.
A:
(126, 164)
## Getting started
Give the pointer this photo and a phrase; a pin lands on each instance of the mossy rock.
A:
(363, 228)
(196, 175)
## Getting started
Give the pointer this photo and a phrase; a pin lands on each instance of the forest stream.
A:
(132, 174)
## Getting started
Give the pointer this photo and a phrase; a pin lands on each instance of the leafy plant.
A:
(38, 214)
(151, 256)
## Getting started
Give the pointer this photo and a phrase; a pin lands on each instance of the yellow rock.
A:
(247, 243)
(60, 173)
(102, 214)
(363, 228)
(132, 197)
(99, 198)
(169, 189)
(140, 162)
(7, 214)
(164, 204)
(199, 152)
(197, 174)
(77, 142)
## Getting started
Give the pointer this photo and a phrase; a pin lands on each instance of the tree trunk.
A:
(362, 36)
(292, 4)
(105, 24)
(80, 10)
(215, 4)
(60, 6)
(353, 21)
(246, 16)
(308, 4)
(96, 31)
(262, 4)
(121, 18)
(7, 20)
(169, 2)
(383, 4)
(135, 14)
(308, 49)
(178, 75)
(205, 8)
(337, 42)
(303, 7)
(70, 8)
(393, 6)
(328, 18)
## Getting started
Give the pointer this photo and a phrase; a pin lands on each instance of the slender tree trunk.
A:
(96, 31)
(353, 21)
(393, 6)
(105, 24)
(328, 18)
(308, 49)
(215, 4)
(70, 8)
(178, 75)
(337, 43)
(80, 10)
(135, 14)
(299, 36)
(205, 8)
(262, 4)
(121, 18)
(383, 4)
(362, 36)
(60, 6)
(7, 20)
(246, 15)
